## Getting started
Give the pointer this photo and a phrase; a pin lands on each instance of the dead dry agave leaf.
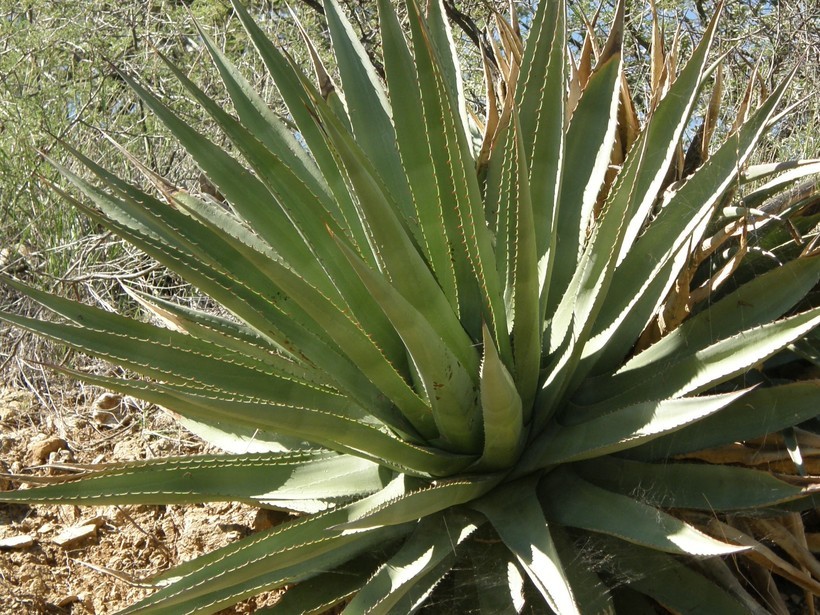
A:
(764, 556)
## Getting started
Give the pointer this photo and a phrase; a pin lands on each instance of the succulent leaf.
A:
(393, 583)
(598, 510)
(517, 516)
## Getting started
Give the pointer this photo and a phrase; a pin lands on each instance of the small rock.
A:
(16, 542)
(64, 455)
(127, 449)
(74, 535)
(40, 450)
(97, 521)
(108, 410)
(69, 600)
(266, 518)
(107, 401)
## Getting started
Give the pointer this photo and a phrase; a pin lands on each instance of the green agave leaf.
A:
(185, 367)
(759, 412)
(360, 436)
(416, 596)
(156, 214)
(298, 95)
(624, 214)
(496, 578)
(662, 134)
(591, 593)
(375, 356)
(224, 332)
(357, 343)
(272, 479)
(808, 349)
(643, 278)
(394, 249)
(237, 289)
(697, 369)
(368, 107)
(517, 260)
(689, 485)
(232, 367)
(452, 398)
(808, 503)
(408, 274)
(298, 531)
(766, 298)
(455, 166)
(377, 207)
(572, 321)
(502, 411)
(431, 546)
(578, 307)
(414, 141)
(516, 514)
(321, 593)
(307, 214)
(284, 554)
(244, 191)
(240, 439)
(539, 98)
(334, 97)
(157, 221)
(756, 172)
(777, 184)
(589, 141)
(441, 36)
(617, 430)
(673, 584)
(574, 502)
(260, 311)
(380, 363)
(420, 501)
(630, 601)
(245, 341)
(255, 115)
(606, 348)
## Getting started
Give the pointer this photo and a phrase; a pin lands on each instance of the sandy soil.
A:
(97, 572)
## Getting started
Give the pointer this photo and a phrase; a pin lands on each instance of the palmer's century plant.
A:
(453, 344)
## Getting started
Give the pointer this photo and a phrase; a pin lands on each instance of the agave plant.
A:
(428, 344)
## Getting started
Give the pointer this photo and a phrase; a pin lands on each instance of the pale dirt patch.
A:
(43, 577)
